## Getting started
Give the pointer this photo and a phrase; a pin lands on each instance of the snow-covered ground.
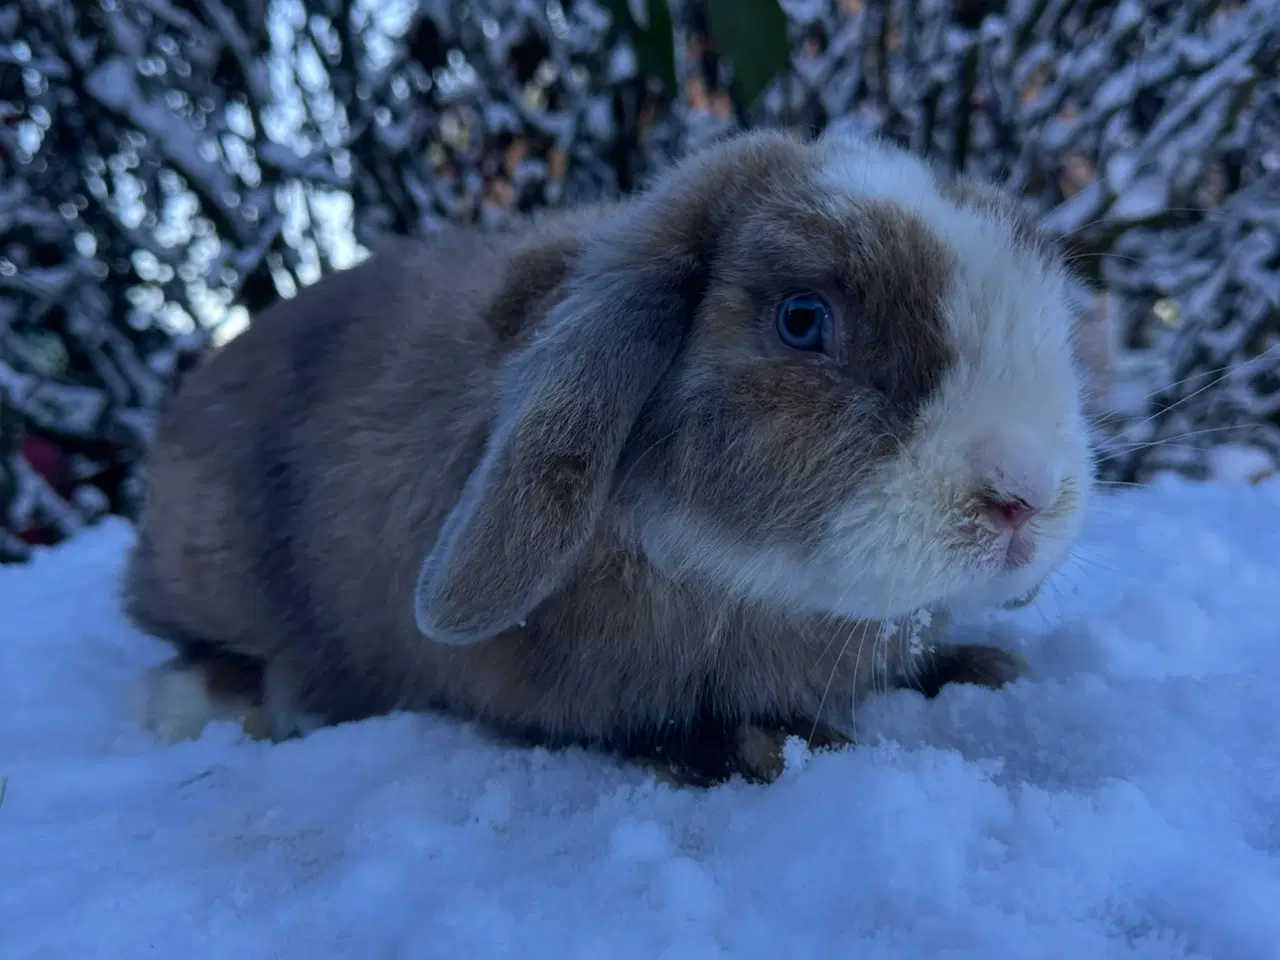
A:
(1125, 803)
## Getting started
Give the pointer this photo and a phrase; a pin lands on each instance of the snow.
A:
(1125, 802)
(1238, 462)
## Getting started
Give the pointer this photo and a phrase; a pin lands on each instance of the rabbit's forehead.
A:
(955, 207)
(992, 242)
(1006, 302)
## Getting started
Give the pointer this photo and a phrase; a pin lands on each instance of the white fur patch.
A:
(173, 702)
(679, 543)
(1008, 414)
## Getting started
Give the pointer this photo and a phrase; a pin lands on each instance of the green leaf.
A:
(654, 43)
(752, 35)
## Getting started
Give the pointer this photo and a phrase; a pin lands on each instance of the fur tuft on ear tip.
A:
(451, 634)
(443, 622)
(451, 627)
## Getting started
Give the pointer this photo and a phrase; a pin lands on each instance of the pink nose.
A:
(1013, 512)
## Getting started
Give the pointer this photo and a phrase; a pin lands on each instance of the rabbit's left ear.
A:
(567, 405)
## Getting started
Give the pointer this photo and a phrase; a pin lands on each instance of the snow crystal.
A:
(1121, 803)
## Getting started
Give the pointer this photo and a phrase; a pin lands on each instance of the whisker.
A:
(1092, 562)
(1099, 255)
(1099, 221)
(1218, 373)
(1175, 442)
(1125, 484)
(826, 690)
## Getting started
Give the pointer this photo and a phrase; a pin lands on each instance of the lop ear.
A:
(567, 404)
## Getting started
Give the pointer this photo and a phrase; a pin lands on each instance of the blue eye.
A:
(804, 321)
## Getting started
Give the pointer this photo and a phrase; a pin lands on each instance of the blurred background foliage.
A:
(169, 167)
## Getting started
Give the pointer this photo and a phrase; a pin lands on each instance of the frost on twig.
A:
(1214, 288)
(168, 168)
(113, 204)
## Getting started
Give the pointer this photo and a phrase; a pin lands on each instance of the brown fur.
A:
(515, 408)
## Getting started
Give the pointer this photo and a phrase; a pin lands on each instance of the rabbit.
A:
(672, 477)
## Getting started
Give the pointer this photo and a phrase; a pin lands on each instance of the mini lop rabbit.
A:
(647, 477)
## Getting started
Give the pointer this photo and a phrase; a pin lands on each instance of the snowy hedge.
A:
(168, 166)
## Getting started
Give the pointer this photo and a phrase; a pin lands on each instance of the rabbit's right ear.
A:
(568, 404)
